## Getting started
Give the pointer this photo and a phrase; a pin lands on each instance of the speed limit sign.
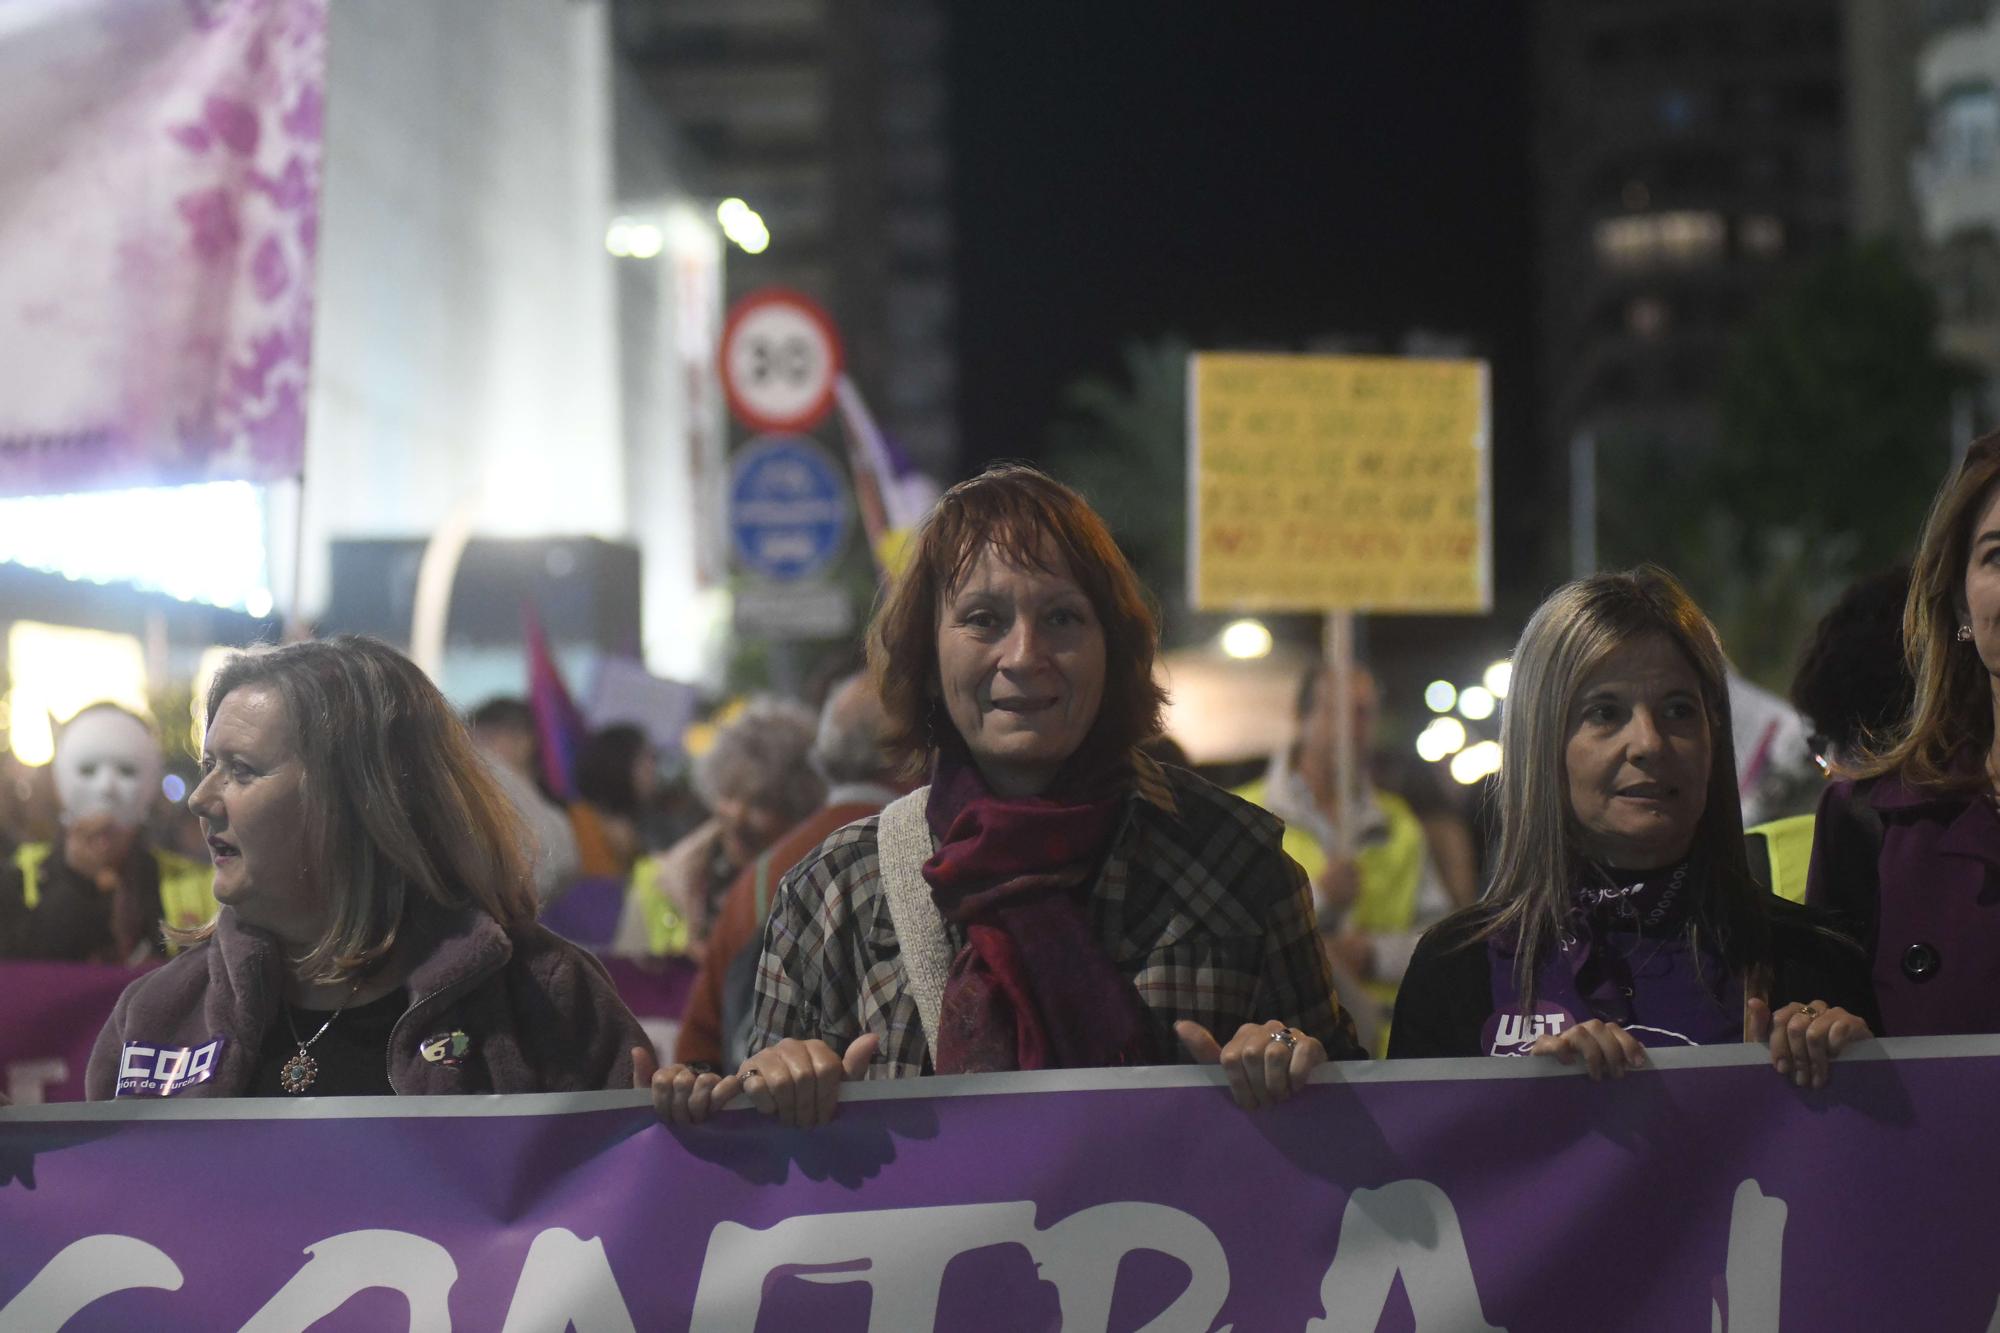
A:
(780, 357)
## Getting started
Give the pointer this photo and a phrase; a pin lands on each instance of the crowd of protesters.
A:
(982, 855)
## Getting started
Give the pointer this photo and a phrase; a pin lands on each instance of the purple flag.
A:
(1706, 1193)
(559, 722)
(159, 205)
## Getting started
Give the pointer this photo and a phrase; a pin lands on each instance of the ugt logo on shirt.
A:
(1516, 1034)
(161, 1071)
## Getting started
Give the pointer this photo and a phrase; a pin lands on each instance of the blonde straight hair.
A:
(1538, 863)
(403, 820)
(1942, 744)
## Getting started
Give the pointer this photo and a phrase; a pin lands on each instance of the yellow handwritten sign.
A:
(1338, 483)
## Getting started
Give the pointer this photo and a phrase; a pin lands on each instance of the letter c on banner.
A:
(84, 1271)
(355, 1261)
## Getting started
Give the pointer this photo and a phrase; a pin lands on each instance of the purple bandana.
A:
(1624, 958)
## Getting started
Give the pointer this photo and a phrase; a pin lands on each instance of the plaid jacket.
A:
(1197, 904)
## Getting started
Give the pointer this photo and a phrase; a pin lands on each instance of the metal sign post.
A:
(790, 504)
(1339, 648)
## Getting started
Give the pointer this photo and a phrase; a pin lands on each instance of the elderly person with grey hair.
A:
(851, 754)
(756, 783)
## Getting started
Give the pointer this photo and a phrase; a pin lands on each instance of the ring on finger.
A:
(1808, 1011)
(1284, 1038)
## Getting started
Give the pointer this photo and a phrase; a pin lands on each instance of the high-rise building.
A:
(828, 119)
(1955, 176)
(486, 376)
(1688, 153)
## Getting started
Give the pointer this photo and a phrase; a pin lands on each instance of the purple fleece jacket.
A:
(539, 1013)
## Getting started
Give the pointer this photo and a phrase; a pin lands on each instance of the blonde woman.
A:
(1622, 914)
(377, 928)
(1907, 845)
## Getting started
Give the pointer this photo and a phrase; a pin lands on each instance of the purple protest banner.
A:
(50, 1014)
(159, 203)
(1706, 1193)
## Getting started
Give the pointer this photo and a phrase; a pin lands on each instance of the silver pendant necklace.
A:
(297, 1074)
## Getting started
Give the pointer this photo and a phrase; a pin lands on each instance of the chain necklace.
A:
(297, 1074)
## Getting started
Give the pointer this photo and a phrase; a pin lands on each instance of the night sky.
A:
(1240, 175)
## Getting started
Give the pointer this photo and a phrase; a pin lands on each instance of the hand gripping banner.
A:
(1704, 1194)
(159, 212)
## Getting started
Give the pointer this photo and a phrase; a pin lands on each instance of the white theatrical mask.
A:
(107, 763)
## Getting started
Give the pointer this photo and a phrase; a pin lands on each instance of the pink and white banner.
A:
(159, 202)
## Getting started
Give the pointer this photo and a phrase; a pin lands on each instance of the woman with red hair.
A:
(1053, 898)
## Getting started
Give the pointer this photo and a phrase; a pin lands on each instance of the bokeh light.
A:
(55, 670)
(634, 238)
(1475, 762)
(1444, 735)
(1246, 639)
(741, 224)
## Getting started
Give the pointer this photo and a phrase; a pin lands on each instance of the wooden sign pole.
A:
(1339, 650)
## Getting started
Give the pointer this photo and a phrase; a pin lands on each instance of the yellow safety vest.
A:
(1788, 843)
(1392, 870)
(185, 897)
(666, 923)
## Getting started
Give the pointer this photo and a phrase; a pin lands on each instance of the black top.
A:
(353, 1055)
(71, 921)
(1447, 993)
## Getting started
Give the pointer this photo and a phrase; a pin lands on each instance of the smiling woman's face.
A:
(1638, 754)
(1021, 669)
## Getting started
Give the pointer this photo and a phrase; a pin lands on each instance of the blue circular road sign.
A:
(788, 507)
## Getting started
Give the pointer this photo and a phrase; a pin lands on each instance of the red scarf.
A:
(1031, 989)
